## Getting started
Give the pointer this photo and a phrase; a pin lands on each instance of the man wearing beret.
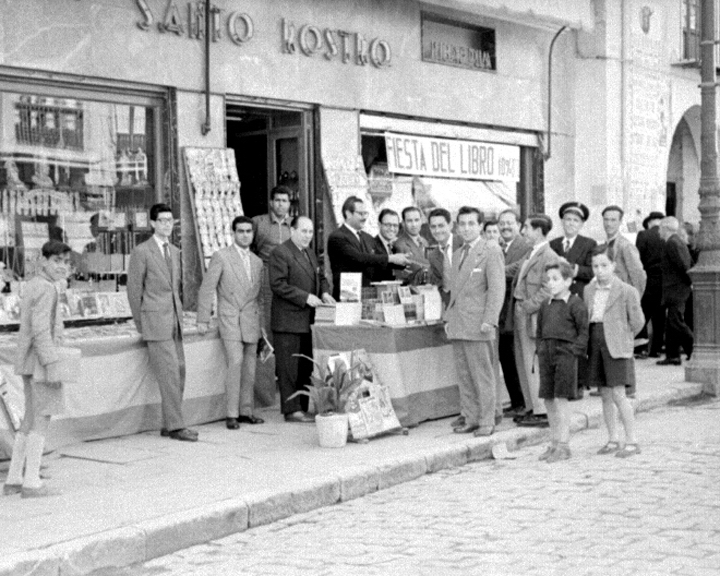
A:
(577, 250)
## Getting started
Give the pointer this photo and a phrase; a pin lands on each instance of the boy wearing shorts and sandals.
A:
(562, 335)
(615, 318)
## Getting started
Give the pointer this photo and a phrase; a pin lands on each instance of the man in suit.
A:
(412, 243)
(351, 250)
(628, 266)
(298, 287)
(676, 289)
(515, 248)
(153, 290)
(577, 250)
(476, 295)
(529, 291)
(235, 274)
(651, 248)
(440, 257)
(389, 222)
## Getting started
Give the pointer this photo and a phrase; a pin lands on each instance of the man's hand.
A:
(52, 372)
(485, 327)
(400, 259)
(313, 301)
(328, 299)
(202, 328)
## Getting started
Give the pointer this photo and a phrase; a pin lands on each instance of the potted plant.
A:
(329, 392)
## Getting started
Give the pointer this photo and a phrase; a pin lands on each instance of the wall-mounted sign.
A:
(238, 25)
(445, 158)
(348, 47)
(457, 44)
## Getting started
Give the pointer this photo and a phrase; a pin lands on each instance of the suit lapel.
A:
(238, 266)
(160, 258)
(463, 275)
(304, 263)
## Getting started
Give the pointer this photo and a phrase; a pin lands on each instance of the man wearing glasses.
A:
(389, 221)
(153, 289)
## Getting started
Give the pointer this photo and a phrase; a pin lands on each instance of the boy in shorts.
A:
(562, 335)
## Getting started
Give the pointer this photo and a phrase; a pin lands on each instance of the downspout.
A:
(547, 152)
(205, 128)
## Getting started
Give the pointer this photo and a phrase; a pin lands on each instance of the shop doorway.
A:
(271, 147)
(683, 172)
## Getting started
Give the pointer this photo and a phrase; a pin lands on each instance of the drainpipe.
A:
(547, 152)
(205, 128)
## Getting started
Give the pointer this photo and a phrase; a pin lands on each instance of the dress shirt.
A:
(355, 233)
(245, 255)
(567, 244)
(599, 303)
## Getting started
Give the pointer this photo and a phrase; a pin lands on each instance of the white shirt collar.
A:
(356, 233)
(161, 243)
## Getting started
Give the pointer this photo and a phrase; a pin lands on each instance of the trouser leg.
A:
(506, 349)
(247, 380)
(481, 358)
(234, 356)
(286, 367)
(167, 362)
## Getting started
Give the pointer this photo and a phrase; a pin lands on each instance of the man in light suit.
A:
(153, 289)
(235, 274)
(410, 242)
(628, 266)
(440, 258)
(298, 286)
(477, 287)
(529, 291)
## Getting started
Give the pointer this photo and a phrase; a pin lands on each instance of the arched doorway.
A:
(683, 173)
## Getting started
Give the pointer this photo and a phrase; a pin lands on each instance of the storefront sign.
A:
(457, 44)
(239, 26)
(333, 44)
(452, 158)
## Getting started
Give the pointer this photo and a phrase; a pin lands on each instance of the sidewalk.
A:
(127, 500)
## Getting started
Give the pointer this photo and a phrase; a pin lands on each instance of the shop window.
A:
(691, 29)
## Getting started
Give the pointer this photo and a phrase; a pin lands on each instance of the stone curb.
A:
(167, 534)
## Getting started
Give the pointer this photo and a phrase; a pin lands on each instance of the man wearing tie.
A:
(412, 243)
(153, 290)
(350, 249)
(628, 266)
(389, 222)
(441, 257)
(298, 287)
(235, 274)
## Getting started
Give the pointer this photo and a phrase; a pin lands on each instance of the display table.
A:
(117, 394)
(415, 362)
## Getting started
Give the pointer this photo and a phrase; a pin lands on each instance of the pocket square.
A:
(476, 270)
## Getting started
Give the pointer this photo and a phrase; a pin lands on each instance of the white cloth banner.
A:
(459, 159)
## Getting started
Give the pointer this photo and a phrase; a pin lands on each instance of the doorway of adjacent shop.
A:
(271, 148)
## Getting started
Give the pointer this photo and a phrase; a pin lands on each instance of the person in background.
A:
(441, 256)
(615, 317)
(491, 232)
(676, 289)
(628, 265)
(410, 242)
(389, 222)
(235, 276)
(351, 250)
(651, 247)
(41, 332)
(153, 290)
(689, 238)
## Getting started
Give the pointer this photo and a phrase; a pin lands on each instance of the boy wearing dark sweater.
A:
(562, 336)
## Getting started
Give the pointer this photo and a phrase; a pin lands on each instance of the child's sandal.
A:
(609, 448)
(627, 451)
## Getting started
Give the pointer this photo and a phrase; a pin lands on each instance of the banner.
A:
(445, 158)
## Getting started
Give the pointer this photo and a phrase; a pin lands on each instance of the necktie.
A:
(246, 264)
(447, 267)
(566, 245)
(168, 260)
(463, 255)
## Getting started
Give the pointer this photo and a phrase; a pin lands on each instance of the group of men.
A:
(490, 275)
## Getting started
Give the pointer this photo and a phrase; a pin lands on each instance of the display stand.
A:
(214, 189)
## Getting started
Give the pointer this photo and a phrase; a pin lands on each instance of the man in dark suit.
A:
(676, 289)
(440, 257)
(651, 248)
(577, 250)
(411, 242)
(298, 287)
(351, 250)
(389, 222)
(153, 290)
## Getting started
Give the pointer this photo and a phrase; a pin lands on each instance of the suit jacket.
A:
(405, 244)
(676, 261)
(623, 317)
(382, 272)
(348, 254)
(238, 297)
(41, 327)
(529, 284)
(436, 260)
(292, 279)
(476, 293)
(628, 266)
(651, 247)
(153, 292)
(514, 257)
(580, 253)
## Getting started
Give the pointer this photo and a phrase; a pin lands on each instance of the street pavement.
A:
(128, 500)
(653, 514)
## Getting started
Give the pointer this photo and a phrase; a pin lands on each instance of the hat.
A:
(576, 208)
(652, 216)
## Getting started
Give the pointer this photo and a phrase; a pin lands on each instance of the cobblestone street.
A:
(657, 513)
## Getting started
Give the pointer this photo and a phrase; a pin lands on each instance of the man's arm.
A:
(208, 288)
(137, 269)
(342, 249)
(279, 270)
(636, 273)
(495, 273)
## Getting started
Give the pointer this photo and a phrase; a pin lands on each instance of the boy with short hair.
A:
(562, 336)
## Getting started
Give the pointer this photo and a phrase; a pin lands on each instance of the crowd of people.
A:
(510, 297)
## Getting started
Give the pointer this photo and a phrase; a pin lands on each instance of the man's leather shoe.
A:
(535, 421)
(184, 434)
(498, 419)
(232, 423)
(250, 419)
(465, 428)
(522, 416)
(484, 431)
(669, 362)
(459, 421)
(164, 432)
(301, 417)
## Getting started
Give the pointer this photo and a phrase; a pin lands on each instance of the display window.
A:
(81, 170)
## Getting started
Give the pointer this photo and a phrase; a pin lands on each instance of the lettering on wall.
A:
(348, 47)
(457, 44)
(237, 25)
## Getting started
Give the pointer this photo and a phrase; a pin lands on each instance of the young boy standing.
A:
(562, 336)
